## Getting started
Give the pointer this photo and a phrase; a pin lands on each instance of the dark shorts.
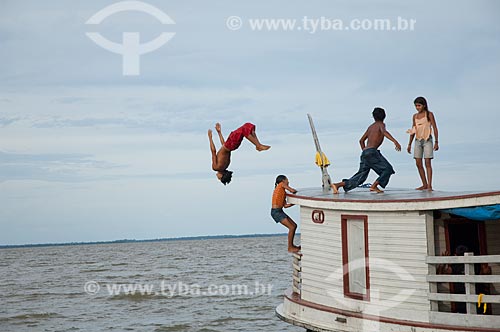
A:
(234, 139)
(278, 215)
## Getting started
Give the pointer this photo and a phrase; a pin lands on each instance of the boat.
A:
(380, 262)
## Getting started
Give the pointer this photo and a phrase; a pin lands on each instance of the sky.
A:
(90, 154)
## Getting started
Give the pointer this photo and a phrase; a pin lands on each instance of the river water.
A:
(196, 285)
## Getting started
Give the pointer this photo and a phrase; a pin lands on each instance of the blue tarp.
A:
(488, 212)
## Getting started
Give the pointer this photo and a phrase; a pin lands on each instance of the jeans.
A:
(370, 159)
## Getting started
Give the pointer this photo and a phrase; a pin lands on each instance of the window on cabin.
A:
(355, 257)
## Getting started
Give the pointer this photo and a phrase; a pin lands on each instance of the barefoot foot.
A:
(421, 188)
(334, 188)
(376, 189)
(262, 147)
(294, 249)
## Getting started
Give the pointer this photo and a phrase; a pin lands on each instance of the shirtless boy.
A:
(222, 158)
(371, 158)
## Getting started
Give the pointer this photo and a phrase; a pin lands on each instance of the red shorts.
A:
(234, 139)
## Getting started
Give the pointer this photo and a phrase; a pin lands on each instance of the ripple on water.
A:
(31, 318)
(173, 328)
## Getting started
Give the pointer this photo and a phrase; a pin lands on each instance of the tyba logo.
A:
(131, 48)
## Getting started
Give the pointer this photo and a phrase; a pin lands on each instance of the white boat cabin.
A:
(380, 262)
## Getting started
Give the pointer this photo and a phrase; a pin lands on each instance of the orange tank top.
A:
(423, 128)
(279, 196)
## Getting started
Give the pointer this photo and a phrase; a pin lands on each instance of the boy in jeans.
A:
(371, 158)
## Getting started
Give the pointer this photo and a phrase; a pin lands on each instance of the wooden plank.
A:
(325, 227)
(412, 225)
(407, 264)
(469, 270)
(464, 279)
(335, 299)
(429, 225)
(296, 267)
(328, 258)
(322, 269)
(331, 261)
(420, 249)
(397, 234)
(401, 284)
(321, 247)
(388, 223)
(398, 241)
(398, 256)
(320, 283)
(330, 246)
(319, 273)
(321, 237)
(398, 271)
(446, 318)
(443, 297)
(420, 293)
(462, 259)
(322, 244)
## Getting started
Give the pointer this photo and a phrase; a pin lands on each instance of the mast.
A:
(327, 181)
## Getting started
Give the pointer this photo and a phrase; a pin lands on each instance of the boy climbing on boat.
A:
(222, 158)
(279, 202)
(371, 158)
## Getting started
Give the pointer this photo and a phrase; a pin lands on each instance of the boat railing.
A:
(470, 298)
(297, 269)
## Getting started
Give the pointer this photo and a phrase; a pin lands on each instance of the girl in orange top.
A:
(424, 124)
(279, 202)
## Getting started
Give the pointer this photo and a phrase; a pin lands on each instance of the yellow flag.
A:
(322, 160)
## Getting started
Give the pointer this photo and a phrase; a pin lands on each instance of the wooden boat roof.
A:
(393, 199)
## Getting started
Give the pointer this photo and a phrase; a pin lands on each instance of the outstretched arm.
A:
(213, 150)
(435, 128)
(293, 191)
(290, 189)
(392, 139)
(219, 131)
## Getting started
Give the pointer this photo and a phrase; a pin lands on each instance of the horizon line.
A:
(181, 238)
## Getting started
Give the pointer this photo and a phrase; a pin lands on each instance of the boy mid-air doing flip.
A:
(222, 158)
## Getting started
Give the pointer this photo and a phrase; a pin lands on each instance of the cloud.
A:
(50, 167)
(7, 121)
